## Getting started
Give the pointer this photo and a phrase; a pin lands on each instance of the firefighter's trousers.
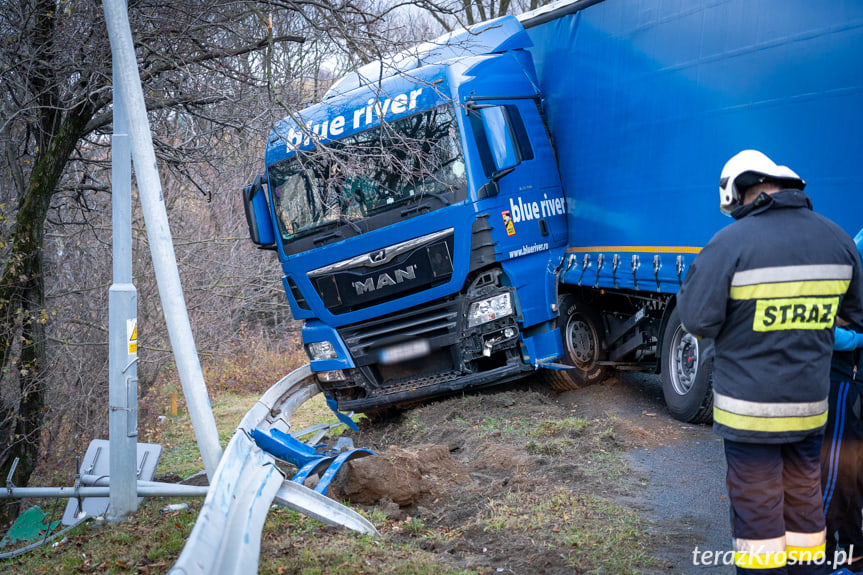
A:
(777, 518)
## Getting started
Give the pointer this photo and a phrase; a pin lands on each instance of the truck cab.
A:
(412, 211)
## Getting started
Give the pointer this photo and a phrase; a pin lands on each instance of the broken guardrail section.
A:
(226, 538)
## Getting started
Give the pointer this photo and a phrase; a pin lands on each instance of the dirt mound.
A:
(398, 475)
(494, 472)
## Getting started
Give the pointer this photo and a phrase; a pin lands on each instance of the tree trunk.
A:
(22, 309)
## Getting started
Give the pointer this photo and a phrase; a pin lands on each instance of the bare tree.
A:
(213, 74)
(454, 14)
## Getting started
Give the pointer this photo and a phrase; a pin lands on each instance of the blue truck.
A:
(529, 193)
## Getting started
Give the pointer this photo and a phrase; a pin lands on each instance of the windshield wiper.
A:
(341, 220)
(335, 234)
(439, 197)
(344, 220)
(422, 204)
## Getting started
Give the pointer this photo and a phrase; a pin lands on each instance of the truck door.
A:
(526, 211)
(523, 189)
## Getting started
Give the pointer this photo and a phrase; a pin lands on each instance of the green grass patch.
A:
(553, 427)
(597, 535)
(415, 427)
(300, 546)
(559, 446)
(149, 541)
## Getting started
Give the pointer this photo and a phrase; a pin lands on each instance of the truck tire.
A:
(687, 373)
(582, 335)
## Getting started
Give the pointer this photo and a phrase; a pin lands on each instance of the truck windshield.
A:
(415, 160)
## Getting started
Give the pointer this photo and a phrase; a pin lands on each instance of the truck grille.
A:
(392, 272)
(436, 322)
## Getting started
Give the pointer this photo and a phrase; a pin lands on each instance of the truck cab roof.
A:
(493, 36)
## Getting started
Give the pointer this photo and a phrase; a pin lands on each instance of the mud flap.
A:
(543, 348)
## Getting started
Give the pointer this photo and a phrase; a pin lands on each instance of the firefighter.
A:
(768, 288)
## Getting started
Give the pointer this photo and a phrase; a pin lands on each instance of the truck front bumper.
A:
(429, 350)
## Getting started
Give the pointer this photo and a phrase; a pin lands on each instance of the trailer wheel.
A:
(687, 373)
(582, 333)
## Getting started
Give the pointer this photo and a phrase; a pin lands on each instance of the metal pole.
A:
(143, 489)
(123, 326)
(159, 236)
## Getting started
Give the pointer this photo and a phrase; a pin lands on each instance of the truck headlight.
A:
(328, 376)
(486, 310)
(318, 350)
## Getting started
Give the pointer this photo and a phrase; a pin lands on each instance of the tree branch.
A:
(218, 54)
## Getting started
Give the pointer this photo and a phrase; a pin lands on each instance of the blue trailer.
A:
(528, 194)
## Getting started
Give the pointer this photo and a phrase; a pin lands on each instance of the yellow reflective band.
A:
(790, 289)
(795, 313)
(760, 560)
(801, 555)
(768, 424)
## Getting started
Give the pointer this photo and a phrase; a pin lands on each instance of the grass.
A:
(148, 541)
(180, 454)
(599, 536)
(293, 543)
(552, 427)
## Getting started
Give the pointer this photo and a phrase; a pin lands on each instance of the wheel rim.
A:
(580, 341)
(684, 361)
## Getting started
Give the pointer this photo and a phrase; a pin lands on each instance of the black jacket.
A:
(768, 288)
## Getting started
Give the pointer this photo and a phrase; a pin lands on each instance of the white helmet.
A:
(746, 169)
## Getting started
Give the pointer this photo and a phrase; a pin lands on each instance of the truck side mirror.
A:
(500, 140)
(258, 215)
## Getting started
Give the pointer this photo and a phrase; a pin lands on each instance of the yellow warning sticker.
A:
(508, 223)
(132, 335)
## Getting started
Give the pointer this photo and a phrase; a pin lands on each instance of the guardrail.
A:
(226, 538)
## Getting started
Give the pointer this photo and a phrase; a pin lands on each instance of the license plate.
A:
(405, 351)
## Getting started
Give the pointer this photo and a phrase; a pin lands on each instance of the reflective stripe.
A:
(639, 249)
(790, 289)
(756, 546)
(792, 274)
(806, 540)
(763, 409)
(768, 424)
(806, 547)
(791, 281)
(760, 553)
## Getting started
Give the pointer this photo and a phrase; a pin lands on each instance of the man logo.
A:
(378, 256)
(386, 280)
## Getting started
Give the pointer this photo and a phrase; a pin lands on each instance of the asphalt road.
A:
(679, 470)
(686, 497)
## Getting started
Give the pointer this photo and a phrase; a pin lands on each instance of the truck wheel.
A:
(687, 373)
(582, 333)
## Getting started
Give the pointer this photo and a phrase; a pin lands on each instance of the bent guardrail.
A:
(226, 538)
